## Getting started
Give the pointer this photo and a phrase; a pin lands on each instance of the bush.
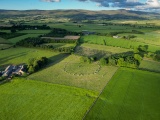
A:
(103, 61)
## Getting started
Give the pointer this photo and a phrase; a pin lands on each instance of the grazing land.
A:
(130, 94)
(4, 46)
(72, 72)
(25, 99)
(22, 55)
(60, 45)
(17, 39)
(111, 49)
(150, 65)
(102, 40)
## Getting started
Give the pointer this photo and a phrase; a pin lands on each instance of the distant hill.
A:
(81, 14)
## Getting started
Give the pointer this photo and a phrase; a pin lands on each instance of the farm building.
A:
(116, 36)
(13, 69)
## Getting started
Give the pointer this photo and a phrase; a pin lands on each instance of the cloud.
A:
(50, 0)
(127, 4)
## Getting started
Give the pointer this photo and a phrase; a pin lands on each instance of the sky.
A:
(142, 5)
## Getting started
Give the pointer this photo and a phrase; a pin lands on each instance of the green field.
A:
(150, 65)
(152, 38)
(22, 55)
(23, 99)
(111, 49)
(73, 73)
(16, 39)
(60, 45)
(97, 27)
(94, 39)
(3, 41)
(130, 95)
(4, 46)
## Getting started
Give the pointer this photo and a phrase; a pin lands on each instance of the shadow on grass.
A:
(54, 60)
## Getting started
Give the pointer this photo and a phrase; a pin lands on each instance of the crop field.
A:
(16, 39)
(22, 55)
(150, 65)
(94, 39)
(130, 95)
(60, 45)
(72, 72)
(23, 99)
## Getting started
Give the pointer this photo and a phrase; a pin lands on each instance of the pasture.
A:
(129, 95)
(102, 40)
(97, 27)
(23, 99)
(22, 55)
(60, 45)
(72, 72)
(3, 41)
(4, 46)
(150, 65)
(111, 49)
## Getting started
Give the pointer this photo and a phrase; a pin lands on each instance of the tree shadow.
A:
(55, 60)
(7, 58)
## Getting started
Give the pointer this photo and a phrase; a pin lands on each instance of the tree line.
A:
(39, 43)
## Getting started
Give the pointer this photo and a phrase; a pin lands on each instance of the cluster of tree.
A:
(123, 60)
(26, 27)
(60, 41)
(89, 60)
(59, 49)
(58, 32)
(10, 35)
(128, 37)
(30, 42)
(155, 56)
(35, 64)
(39, 43)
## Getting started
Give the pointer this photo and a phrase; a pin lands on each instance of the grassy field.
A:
(60, 45)
(150, 65)
(94, 39)
(31, 100)
(111, 49)
(4, 46)
(22, 55)
(73, 73)
(96, 27)
(3, 41)
(130, 95)
(16, 39)
(152, 38)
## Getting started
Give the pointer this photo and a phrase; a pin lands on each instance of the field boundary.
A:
(97, 97)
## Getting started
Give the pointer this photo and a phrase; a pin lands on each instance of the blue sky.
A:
(80, 4)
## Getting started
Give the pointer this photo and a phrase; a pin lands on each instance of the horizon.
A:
(92, 5)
